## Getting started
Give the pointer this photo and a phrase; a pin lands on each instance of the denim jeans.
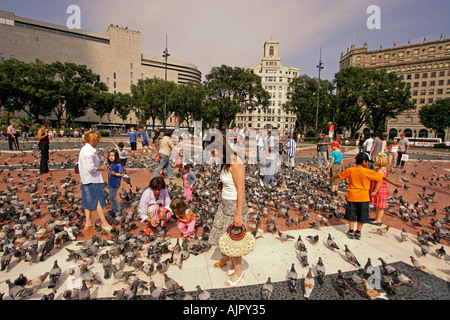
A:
(399, 159)
(113, 199)
(164, 164)
(270, 170)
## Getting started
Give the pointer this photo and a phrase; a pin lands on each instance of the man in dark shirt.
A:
(322, 151)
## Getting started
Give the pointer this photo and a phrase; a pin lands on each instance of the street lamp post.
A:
(165, 56)
(320, 67)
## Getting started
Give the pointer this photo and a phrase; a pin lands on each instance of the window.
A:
(114, 75)
(432, 83)
(2, 57)
(440, 91)
(416, 84)
(424, 83)
(430, 100)
(441, 73)
(425, 75)
(416, 76)
(433, 75)
(131, 66)
(408, 77)
(431, 92)
(271, 50)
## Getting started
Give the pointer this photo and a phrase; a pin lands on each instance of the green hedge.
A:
(439, 145)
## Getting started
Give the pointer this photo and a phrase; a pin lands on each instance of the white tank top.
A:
(229, 191)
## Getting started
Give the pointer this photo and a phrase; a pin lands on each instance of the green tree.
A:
(28, 87)
(303, 102)
(123, 104)
(351, 84)
(188, 99)
(436, 116)
(386, 97)
(148, 97)
(234, 90)
(78, 90)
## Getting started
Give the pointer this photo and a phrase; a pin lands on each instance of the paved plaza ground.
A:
(427, 173)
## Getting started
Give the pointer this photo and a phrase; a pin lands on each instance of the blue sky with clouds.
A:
(209, 33)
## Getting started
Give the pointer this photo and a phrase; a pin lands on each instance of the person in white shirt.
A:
(259, 145)
(271, 156)
(91, 167)
(368, 145)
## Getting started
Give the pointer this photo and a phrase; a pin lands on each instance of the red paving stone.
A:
(141, 177)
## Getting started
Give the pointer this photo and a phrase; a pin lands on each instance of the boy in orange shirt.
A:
(358, 198)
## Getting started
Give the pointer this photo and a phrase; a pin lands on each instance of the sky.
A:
(210, 33)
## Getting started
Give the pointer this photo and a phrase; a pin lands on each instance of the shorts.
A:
(335, 170)
(133, 145)
(91, 194)
(357, 211)
(123, 162)
(144, 143)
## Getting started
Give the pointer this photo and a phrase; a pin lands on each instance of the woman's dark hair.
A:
(157, 183)
(168, 133)
(227, 154)
(187, 167)
(116, 156)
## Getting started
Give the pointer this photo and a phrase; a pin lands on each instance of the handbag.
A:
(236, 242)
(77, 168)
(405, 157)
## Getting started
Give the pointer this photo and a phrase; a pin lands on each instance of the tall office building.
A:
(117, 56)
(425, 67)
(275, 79)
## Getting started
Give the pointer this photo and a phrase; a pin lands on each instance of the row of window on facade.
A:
(410, 133)
(401, 54)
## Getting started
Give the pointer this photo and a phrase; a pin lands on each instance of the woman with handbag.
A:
(232, 213)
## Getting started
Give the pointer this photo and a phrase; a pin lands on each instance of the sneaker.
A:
(376, 223)
(350, 234)
(357, 235)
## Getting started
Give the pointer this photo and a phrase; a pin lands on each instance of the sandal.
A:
(230, 272)
(87, 228)
(232, 284)
(107, 228)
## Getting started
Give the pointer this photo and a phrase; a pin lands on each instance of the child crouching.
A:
(185, 216)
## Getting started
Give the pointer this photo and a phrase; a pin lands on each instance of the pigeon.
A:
(302, 256)
(416, 263)
(342, 286)
(163, 266)
(202, 294)
(403, 235)
(351, 257)
(6, 258)
(84, 293)
(425, 248)
(440, 252)
(71, 294)
(284, 236)
(402, 278)
(299, 245)
(171, 285)
(292, 278)
(55, 274)
(331, 244)
(267, 289)
(47, 247)
(156, 292)
(373, 294)
(382, 231)
(313, 239)
(386, 266)
(17, 291)
(320, 269)
(388, 282)
(309, 284)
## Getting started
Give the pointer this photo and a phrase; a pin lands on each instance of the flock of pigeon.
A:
(295, 199)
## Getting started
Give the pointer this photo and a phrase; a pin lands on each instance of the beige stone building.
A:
(425, 67)
(116, 56)
(275, 79)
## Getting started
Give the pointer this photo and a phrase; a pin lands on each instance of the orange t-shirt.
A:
(188, 214)
(359, 182)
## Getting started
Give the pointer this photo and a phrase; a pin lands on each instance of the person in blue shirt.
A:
(335, 168)
(144, 137)
(133, 140)
(115, 174)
